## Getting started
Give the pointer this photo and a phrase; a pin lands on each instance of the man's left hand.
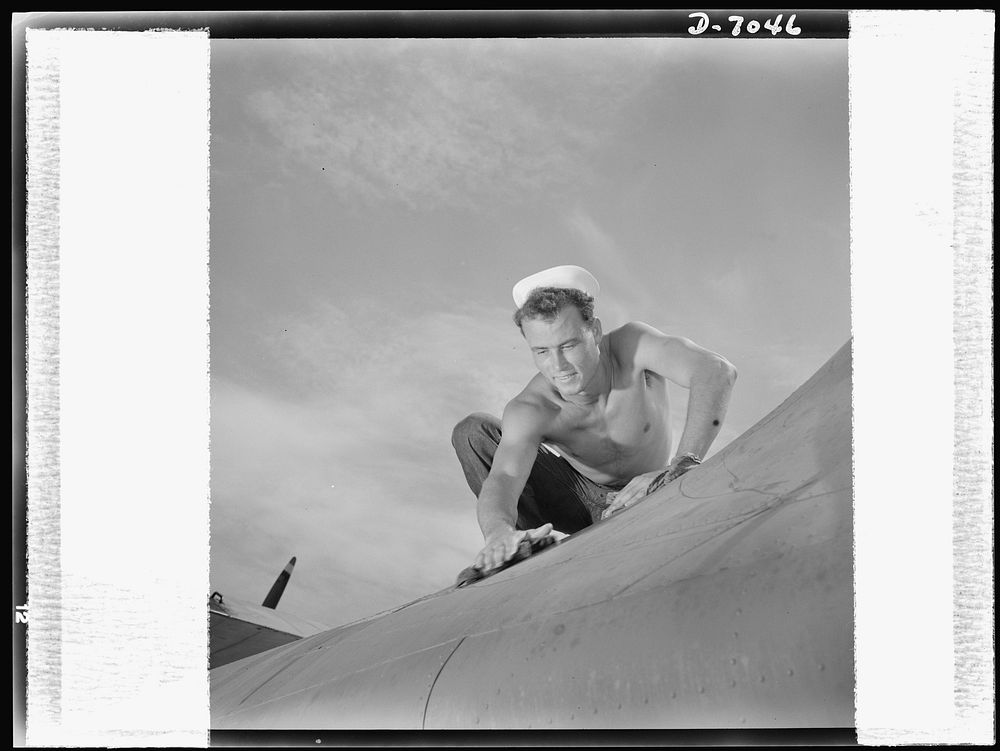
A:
(631, 493)
(647, 483)
(677, 467)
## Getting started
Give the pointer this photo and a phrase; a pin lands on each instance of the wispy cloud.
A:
(444, 123)
(623, 291)
(731, 287)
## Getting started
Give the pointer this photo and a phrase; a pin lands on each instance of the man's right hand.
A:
(502, 545)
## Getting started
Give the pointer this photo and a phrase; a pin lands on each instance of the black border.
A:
(520, 738)
(813, 24)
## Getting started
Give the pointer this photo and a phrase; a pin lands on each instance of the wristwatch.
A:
(690, 458)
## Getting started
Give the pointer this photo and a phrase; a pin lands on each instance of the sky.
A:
(374, 201)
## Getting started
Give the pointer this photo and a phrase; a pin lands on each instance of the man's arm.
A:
(521, 433)
(709, 378)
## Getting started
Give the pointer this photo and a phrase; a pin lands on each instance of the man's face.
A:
(565, 349)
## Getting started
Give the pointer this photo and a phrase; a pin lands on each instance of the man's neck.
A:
(597, 389)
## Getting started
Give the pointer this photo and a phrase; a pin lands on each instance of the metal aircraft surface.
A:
(722, 600)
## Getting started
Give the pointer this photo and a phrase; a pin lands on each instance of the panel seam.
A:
(423, 722)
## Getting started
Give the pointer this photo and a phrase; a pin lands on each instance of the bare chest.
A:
(625, 436)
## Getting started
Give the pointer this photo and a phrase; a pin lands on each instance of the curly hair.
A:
(546, 302)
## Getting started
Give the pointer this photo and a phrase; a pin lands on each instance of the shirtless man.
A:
(601, 401)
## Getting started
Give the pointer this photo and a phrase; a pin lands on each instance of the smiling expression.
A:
(565, 350)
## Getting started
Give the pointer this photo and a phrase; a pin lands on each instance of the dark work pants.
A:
(555, 492)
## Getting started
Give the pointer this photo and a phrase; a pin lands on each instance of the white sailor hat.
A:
(568, 277)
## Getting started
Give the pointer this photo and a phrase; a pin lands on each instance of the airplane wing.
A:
(239, 629)
(723, 600)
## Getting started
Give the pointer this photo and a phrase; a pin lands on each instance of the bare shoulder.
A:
(629, 340)
(531, 412)
(634, 331)
(676, 358)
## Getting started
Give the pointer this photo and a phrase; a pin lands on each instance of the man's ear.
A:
(596, 328)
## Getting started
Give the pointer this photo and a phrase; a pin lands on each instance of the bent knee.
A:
(476, 424)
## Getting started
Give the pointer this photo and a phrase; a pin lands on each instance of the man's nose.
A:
(560, 359)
